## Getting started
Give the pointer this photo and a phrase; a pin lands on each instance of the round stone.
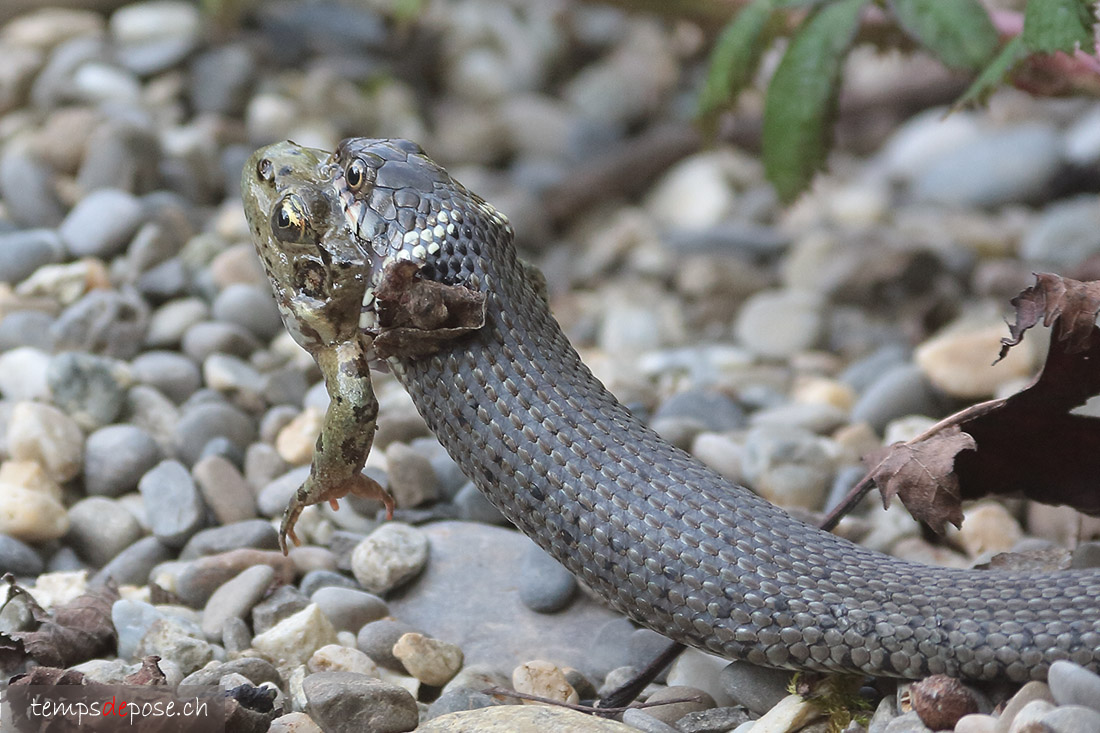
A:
(172, 503)
(777, 324)
(101, 224)
(100, 528)
(390, 556)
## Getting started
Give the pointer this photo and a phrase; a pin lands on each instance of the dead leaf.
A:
(74, 632)
(150, 674)
(922, 474)
(1074, 304)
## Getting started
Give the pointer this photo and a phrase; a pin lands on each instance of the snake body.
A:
(664, 539)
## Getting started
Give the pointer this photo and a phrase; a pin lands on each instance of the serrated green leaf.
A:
(801, 98)
(1059, 25)
(735, 56)
(992, 75)
(958, 32)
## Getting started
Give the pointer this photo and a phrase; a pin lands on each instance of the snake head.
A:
(405, 207)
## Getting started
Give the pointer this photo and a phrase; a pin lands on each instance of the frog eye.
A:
(290, 220)
(357, 175)
(265, 170)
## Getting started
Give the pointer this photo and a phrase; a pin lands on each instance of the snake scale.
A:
(664, 539)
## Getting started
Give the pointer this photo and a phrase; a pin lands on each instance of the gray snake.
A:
(664, 539)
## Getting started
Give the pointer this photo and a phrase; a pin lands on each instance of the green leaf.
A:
(959, 32)
(991, 77)
(735, 56)
(1059, 25)
(801, 99)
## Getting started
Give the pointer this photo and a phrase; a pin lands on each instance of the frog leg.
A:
(345, 440)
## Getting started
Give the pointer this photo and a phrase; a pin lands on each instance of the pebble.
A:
(18, 558)
(377, 638)
(346, 702)
(104, 322)
(26, 186)
(789, 714)
(195, 580)
(23, 252)
(100, 528)
(170, 638)
(293, 640)
(522, 719)
(202, 339)
(256, 534)
(204, 422)
(172, 503)
(256, 670)
(1064, 235)
(132, 565)
(720, 452)
(120, 155)
(294, 723)
(669, 712)
(317, 578)
(710, 410)
(283, 602)
(155, 35)
(1071, 684)
(1072, 719)
(412, 480)
(988, 528)
(1015, 164)
(273, 498)
(31, 516)
(43, 434)
(169, 323)
(959, 359)
(778, 324)
(234, 599)
(174, 375)
(250, 306)
(27, 328)
(432, 661)
(389, 557)
(545, 586)
(90, 389)
(473, 506)
(757, 688)
(715, 720)
(644, 721)
(116, 457)
(101, 224)
(224, 490)
(348, 609)
(459, 699)
(544, 679)
(787, 466)
(899, 391)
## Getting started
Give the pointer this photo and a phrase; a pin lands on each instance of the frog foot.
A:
(310, 494)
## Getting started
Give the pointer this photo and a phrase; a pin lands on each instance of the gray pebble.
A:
(377, 638)
(349, 609)
(255, 669)
(694, 700)
(255, 533)
(214, 337)
(120, 155)
(132, 565)
(460, 698)
(899, 391)
(611, 647)
(100, 528)
(712, 410)
(317, 579)
(757, 688)
(91, 389)
(23, 374)
(447, 472)
(1015, 164)
(472, 506)
(787, 466)
(26, 328)
(1072, 719)
(642, 720)
(18, 558)
(116, 457)
(65, 560)
(861, 373)
(715, 720)
(234, 599)
(1086, 555)
(411, 478)
(221, 79)
(284, 386)
(236, 636)
(250, 306)
(777, 324)
(132, 620)
(644, 646)
(224, 490)
(389, 557)
(155, 35)
(172, 503)
(1071, 684)
(107, 322)
(27, 188)
(544, 585)
(23, 252)
(347, 702)
(174, 375)
(170, 322)
(273, 498)
(235, 378)
(284, 602)
(1066, 233)
(907, 723)
(202, 423)
(101, 223)
(164, 281)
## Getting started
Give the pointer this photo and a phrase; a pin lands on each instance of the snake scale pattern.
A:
(660, 536)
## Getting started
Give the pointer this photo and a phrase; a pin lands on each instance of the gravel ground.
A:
(155, 418)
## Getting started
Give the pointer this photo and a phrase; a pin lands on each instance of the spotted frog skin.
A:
(317, 273)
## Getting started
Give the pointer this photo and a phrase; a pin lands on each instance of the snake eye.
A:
(290, 220)
(265, 170)
(357, 175)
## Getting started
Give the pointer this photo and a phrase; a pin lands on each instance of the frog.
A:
(317, 271)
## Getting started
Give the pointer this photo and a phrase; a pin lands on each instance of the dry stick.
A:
(857, 492)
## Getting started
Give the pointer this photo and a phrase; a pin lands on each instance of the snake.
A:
(661, 537)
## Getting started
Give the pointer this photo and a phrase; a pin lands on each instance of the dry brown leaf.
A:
(1074, 304)
(922, 474)
(75, 632)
